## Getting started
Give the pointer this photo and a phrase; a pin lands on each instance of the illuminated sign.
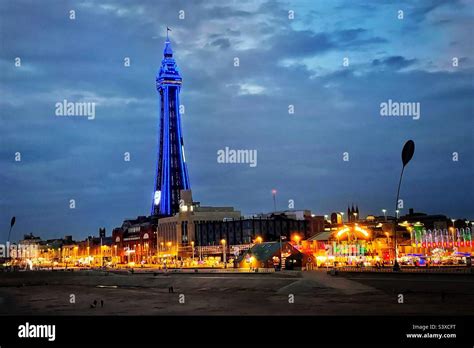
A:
(157, 197)
(131, 238)
(345, 249)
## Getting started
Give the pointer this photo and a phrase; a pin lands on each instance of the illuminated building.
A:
(93, 251)
(135, 240)
(267, 255)
(352, 214)
(176, 233)
(171, 174)
(245, 230)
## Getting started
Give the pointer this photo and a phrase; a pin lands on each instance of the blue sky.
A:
(282, 62)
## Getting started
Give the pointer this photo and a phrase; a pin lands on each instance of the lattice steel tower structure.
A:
(171, 174)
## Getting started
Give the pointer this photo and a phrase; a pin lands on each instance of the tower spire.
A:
(171, 176)
(168, 52)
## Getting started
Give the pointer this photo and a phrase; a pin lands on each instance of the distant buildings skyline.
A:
(304, 92)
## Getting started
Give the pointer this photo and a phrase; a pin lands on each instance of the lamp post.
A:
(296, 239)
(274, 192)
(281, 251)
(12, 222)
(101, 254)
(407, 155)
(192, 246)
(384, 211)
(169, 244)
(224, 253)
(454, 229)
(342, 216)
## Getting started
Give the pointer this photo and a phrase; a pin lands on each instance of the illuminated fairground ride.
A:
(442, 246)
(349, 244)
(354, 244)
(352, 233)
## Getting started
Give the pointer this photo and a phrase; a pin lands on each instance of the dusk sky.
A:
(282, 62)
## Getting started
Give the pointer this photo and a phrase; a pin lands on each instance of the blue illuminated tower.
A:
(171, 174)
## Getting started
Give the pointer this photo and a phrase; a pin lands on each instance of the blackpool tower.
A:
(171, 175)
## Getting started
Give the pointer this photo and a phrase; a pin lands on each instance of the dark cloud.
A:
(221, 43)
(394, 62)
(224, 12)
(421, 11)
(349, 34)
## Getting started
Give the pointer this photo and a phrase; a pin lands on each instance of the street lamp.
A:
(281, 251)
(258, 239)
(407, 154)
(224, 253)
(454, 229)
(384, 211)
(342, 216)
(192, 246)
(296, 239)
(326, 216)
(274, 192)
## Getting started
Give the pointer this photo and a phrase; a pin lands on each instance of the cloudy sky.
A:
(283, 62)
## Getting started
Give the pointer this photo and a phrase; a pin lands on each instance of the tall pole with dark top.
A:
(12, 222)
(407, 155)
(274, 192)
